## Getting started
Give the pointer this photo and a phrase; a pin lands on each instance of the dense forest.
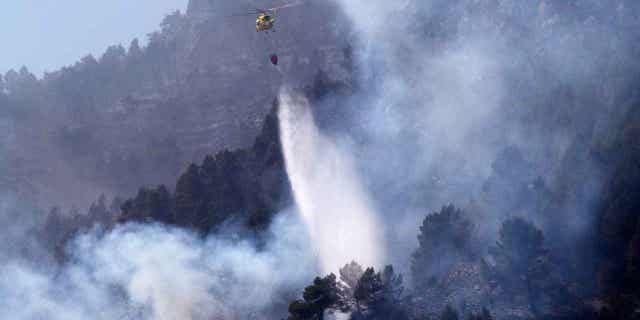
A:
(497, 141)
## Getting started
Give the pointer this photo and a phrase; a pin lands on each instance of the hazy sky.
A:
(48, 34)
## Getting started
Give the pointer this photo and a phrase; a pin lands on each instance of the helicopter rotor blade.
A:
(259, 11)
(250, 13)
(288, 5)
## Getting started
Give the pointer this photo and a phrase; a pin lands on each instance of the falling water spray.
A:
(327, 191)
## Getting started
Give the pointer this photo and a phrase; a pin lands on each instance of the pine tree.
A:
(323, 294)
(379, 295)
(134, 51)
(523, 264)
(189, 198)
(392, 283)
(98, 211)
(368, 292)
(449, 314)
(520, 243)
(149, 204)
(350, 274)
(486, 315)
(444, 233)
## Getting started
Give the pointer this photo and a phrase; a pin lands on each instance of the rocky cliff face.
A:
(138, 116)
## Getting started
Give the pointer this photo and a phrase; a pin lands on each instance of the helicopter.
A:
(266, 19)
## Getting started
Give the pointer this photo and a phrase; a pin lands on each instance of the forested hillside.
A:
(139, 114)
(491, 147)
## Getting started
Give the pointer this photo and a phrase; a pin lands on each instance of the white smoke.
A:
(342, 224)
(159, 273)
(430, 109)
(445, 86)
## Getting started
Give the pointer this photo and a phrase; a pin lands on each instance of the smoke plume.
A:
(160, 273)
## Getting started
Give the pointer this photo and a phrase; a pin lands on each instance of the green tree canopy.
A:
(318, 297)
(444, 239)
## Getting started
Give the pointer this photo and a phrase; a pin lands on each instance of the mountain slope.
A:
(138, 115)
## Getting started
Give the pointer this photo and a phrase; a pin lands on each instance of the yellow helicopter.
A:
(267, 17)
(265, 21)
